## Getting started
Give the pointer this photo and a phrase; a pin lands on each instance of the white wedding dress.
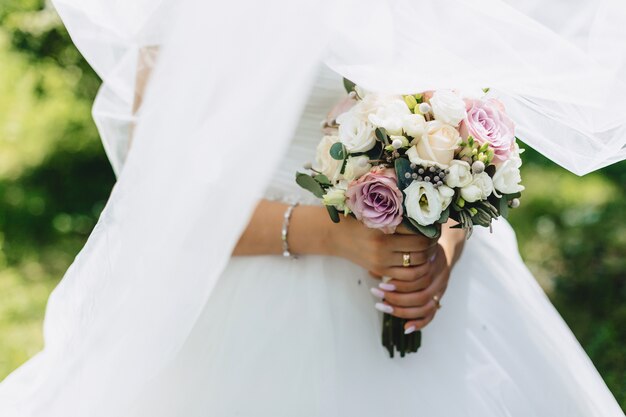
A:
(283, 337)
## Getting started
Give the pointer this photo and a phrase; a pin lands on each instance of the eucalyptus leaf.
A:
(382, 135)
(348, 85)
(338, 151)
(503, 207)
(308, 183)
(322, 179)
(445, 215)
(490, 170)
(403, 166)
(334, 213)
(432, 231)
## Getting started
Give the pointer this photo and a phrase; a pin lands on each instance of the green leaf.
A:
(382, 135)
(308, 183)
(334, 214)
(503, 207)
(403, 166)
(348, 85)
(444, 216)
(432, 231)
(338, 151)
(490, 170)
(376, 152)
(322, 179)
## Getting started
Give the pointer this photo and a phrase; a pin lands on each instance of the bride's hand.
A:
(383, 254)
(419, 306)
(416, 302)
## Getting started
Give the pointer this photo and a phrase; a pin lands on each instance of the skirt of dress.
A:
(284, 337)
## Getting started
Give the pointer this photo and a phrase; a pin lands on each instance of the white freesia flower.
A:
(423, 202)
(325, 163)
(480, 188)
(389, 114)
(336, 196)
(459, 174)
(356, 166)
(414, 125)
(446, 194)
(507, 177)
(436, 146)
(448, 107)
(356, 132)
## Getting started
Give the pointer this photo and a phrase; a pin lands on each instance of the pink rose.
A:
(376, 200)
(487, 122)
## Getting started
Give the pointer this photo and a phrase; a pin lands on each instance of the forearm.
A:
(452, 241)
(308, 233)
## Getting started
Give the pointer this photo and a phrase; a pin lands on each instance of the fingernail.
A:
(377, 293)
(384, 308)
(387, 287)
(432, 258)
(409, 330)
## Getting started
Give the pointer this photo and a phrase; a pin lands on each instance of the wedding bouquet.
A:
(416, 160)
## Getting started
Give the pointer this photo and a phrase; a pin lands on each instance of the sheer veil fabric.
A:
(224, 98)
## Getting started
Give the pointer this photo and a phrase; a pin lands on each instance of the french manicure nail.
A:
(387, 287)
(384, 308)
(409, 330)
(377, 293)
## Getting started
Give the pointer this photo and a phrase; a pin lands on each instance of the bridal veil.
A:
(228, 81)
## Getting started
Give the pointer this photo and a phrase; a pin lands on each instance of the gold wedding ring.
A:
(406, 260)
(436, 300)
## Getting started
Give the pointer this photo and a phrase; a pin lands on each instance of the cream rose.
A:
(480, 188)
(459, 174)
(389, 114)
(423, 202)
(356, 166)
(436, 146)
(448, 107)
(325, 163)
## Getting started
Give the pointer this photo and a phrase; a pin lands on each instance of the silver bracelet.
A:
(285, 230)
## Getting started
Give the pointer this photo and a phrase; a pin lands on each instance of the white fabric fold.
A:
(222, 102)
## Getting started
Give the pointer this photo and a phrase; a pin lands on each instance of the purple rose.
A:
(376, 200)
(487, 122)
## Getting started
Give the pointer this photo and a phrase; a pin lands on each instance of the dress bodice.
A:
(327, 91)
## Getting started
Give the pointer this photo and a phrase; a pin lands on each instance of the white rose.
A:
(356, 166)
(389, 114)
(414, 125)
(448, 107)
(355, 132)
(436, 146)
(507, 177)
(423, 203)
(480, 188)
(325, 163)
(459, 174)
(446, 194)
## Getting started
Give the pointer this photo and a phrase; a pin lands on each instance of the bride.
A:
(213, 285)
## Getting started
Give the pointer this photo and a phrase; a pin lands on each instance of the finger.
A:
(415, 258)
(407, 299)
(409, 313)
(415, 325)
(374, 275)
(409, 243)
(406, 286)
(410, 273)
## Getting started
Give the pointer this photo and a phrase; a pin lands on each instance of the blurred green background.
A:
(55, 179)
